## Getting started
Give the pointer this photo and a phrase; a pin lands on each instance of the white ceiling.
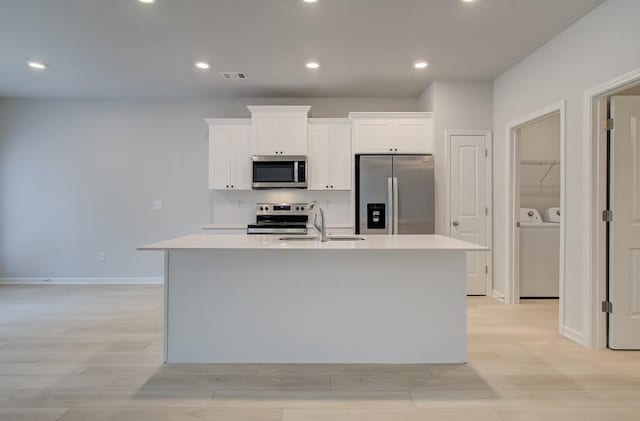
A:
(123, 48)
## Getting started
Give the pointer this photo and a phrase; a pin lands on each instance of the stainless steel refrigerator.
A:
(395, 194)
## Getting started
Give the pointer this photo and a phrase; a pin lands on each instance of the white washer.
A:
(539, 256)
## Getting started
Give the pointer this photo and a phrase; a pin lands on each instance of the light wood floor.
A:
(74, 353)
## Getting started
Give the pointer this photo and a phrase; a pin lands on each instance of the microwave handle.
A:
(295, 172)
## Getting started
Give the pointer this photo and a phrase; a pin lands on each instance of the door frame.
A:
(595, 187)
(512, 285)
(489, 192)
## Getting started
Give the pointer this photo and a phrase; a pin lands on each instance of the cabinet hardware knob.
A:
(455, 223)
(326, 187)
(227, 186)
(331, 186)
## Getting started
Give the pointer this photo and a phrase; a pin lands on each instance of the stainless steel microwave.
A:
(279, 172)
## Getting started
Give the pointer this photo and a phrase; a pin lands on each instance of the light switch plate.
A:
(156, 205)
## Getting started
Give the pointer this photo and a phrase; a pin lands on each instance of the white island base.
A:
(301, 302)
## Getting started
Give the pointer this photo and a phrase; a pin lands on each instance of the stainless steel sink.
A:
(316, 238)
(346, 239)
(298, 238)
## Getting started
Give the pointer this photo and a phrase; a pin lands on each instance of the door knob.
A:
(455, 223)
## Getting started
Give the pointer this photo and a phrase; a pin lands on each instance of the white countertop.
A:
(273, 242)
(214, 227)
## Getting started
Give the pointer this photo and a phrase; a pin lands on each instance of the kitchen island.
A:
(264, 299)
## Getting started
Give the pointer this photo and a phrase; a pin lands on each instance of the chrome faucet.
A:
(320, 227)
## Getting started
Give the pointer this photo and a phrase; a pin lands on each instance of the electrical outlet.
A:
(101, 256)
(156, 205)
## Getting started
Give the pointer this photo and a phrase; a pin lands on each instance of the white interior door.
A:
(624, 231)
(468, 203)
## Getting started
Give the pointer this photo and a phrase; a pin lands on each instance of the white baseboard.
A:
(498, 295)
(84, 281)
(572, 334)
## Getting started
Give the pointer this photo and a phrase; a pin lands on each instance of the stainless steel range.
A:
(280, 218)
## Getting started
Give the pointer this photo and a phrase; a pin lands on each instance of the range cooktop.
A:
(280, 218)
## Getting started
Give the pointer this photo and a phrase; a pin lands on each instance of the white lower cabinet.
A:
(229, 154)
(329, 154)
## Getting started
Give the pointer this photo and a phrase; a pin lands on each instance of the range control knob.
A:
(266, 208)
(261, 208)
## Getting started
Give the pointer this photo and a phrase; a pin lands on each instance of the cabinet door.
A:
(293, 135)
(265, 135)
(373, 136)
(240, 157)
(340, 157)
(410, 135)
(319, 157)
(219, 167)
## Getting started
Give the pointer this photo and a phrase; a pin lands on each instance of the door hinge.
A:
(607, 215)
(609, 124)
(486, 152)
(486, 211)
(486, 269)
(607, 307)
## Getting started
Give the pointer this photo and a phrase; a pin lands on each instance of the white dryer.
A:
(539, 254)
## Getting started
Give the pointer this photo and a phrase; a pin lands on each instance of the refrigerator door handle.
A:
(395, 205)
(391, 209)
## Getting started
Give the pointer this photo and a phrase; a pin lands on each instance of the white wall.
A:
(597, 48)
(540, 142)
(458, 105)
(78, 177)
(237, 208)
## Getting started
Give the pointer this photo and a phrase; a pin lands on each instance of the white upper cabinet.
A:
(329, 154)
(279, 130)
(392, 132)
(229, 154)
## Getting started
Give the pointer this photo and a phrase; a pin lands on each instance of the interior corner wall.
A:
(425, 100)
(78, 177)
(599, 47)
(457, 105)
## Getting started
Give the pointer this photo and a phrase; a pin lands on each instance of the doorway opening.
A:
(619, 156)
(536, 183)
(612, 183)
(537, 145)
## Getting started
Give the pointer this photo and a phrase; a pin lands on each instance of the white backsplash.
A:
(239, 207)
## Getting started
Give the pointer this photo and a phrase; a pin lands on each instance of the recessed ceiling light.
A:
(202, 65)
(37, 65)
(468, 1)
(420, 64)
(312, 65)
(147, 1)
(310, 1)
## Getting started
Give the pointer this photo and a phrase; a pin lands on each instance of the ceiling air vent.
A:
(233, 75)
